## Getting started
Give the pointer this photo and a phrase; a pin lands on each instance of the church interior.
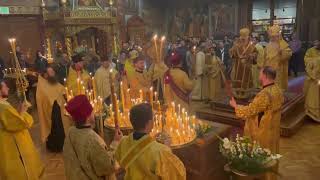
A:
(210, 70)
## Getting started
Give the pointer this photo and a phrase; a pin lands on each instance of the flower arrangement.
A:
(247, 157)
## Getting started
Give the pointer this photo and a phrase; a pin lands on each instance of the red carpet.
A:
(296, 85)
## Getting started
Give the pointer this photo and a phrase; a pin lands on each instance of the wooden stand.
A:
(201, 157)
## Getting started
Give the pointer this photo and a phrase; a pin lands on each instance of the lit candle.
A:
(93, 87)
(155, 38)
(141, 95)
(129, 98)
(65, 81)
(161, 46)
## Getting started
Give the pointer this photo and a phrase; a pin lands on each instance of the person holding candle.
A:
(19, 156)
(102, 79)
(177, 83)
(142, 79)
(141, 156)
(76, 75)
(85, 154)
(50, 98)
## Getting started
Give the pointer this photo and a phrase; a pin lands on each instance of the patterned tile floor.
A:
(301, 155)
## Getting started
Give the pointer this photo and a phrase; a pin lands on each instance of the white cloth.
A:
(199, 69)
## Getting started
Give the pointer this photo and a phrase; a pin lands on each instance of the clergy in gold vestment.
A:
(144, 158)
(277, 55)
(260, 61)
(102, 79)
(85, 154)
(244, 56)
(77, 77)
(178, 86)
(54, 124)
(262, 116)
(129, 65)
(214, 72)
(19, 159)
(142, 79)
(312, 82)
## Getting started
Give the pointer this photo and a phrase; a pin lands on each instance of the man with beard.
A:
(277, 55)
(78, 77)
(50, 100)
(19, 157)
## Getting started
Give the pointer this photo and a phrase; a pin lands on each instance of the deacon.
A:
(197, 93)
(85, 154)
(54, 124)
(102, 79)
(244, 55)
(178, 86)
(277, 55)
(262, 116)
(19, 157)
(78, 77)
(142, 79)
(141, 156)
(312, 82)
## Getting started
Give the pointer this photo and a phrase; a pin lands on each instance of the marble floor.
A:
(301, 155)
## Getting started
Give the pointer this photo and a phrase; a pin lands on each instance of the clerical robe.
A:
(178, 87)
(102, 80)
(72, 78)
(143, 80)
(256, 67)
(129, 67)
(150, 160)
(47, 94)
(262, 119)
(214, 71)
(86, 156)
(197, 93)
(312, 83)
(244, 56)
(277, 57)
(19, 158)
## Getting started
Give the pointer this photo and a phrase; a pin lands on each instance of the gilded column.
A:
(68, 46)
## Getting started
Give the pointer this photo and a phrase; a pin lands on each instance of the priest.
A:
(197, 93)
(19, 157)
(78, 76)
(178, 86)
(102, 79)
(141, 156)
(54, 124)
(142, 79)
(277, 55)
(312, 82)
(262, 116)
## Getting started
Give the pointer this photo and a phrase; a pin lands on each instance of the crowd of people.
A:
(191, 69)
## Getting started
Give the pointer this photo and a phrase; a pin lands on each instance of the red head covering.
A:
(79, 108)
(175, 59)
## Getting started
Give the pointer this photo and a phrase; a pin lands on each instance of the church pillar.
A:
(210, 21)
(68, 45)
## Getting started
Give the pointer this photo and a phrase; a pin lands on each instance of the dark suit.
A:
(224, 56)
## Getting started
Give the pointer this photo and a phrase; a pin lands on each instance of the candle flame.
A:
(155, 37)
(163, 38)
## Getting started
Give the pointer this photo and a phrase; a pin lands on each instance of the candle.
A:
(65, 81)
(93, 87)
(155, 38)
(122, 96)
(179, 110)
(161, 47)
(141, 95)
(66, 89)
(156, 96)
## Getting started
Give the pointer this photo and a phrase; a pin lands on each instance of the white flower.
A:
(276, 156)
(241, 156)
(226, 143)
(267, 151)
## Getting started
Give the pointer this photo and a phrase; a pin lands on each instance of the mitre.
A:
(274, 30)
(244, 32)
